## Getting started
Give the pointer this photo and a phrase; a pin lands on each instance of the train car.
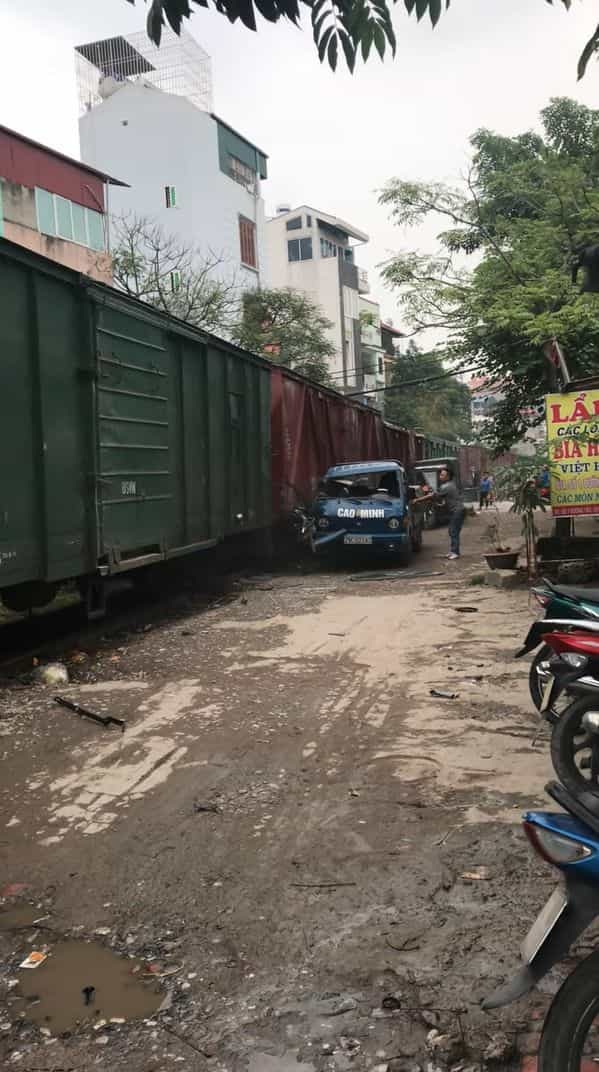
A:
(314, 427)
(126, 437)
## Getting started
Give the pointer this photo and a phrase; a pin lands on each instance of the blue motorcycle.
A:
(569, 841)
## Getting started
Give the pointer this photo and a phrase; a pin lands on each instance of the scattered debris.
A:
(153, 971)
(500, 1049)
(320, 885)
(213, 808)
(103, 720)
(88, 994)
(442, 695)
(391, 1001)
(14, 889)
(338, 1006)
(476, 876)
(78, 657)
(52, 674)
(396, 575)
(33, 960)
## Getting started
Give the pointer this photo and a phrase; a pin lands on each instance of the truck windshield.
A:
(362, 486)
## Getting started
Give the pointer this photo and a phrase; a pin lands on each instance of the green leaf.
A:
(332, 52)
(318, 25)
(591, 47)
(421, 8)
(349, 50)
(366, 41)
(435, 8)
(324, 40)
(379, 40)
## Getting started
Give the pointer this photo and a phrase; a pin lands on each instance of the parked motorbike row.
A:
(564, 686)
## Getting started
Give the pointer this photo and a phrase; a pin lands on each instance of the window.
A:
(327, 248)
(294, 224)
(349, 255)
(170, 196)
(46, 222)
(381, 366)
(64, 223)
(175, 281)
(305, 249)
(247, 242)
(79, 224)
(95, 229)
(241, 173)
(308, 221)
(299, 249)
(58, 216)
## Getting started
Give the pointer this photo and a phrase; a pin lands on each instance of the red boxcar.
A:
(313, 427)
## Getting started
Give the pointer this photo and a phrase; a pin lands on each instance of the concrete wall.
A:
(152, 140)
(19, 224)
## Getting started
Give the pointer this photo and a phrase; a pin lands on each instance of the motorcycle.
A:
(574, 670)
(569, 841)
(562, 604)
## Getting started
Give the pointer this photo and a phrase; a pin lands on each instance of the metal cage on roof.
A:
(180, 66)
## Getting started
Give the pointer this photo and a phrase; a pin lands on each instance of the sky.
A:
(333, 140)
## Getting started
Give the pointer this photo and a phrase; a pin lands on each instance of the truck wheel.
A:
(405, 555)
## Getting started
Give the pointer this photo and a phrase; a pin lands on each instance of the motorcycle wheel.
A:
(574, 750)
(570, 1035)
(537, 678)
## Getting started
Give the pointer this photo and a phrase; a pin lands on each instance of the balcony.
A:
(363, 285)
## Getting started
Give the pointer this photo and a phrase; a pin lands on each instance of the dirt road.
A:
(312, 862)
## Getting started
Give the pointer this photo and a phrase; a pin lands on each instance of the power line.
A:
(412, 383)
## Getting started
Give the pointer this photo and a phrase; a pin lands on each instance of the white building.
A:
(372, 352)
(312, 252)
(187, 170)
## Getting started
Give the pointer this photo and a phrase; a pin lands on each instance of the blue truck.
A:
(367, 506)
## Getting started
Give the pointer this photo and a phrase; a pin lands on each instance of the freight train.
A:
(128, 437)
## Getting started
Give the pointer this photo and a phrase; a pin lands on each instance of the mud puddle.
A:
(83, 983)
(20, 918)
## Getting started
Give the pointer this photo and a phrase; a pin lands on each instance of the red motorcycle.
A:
(574, 669)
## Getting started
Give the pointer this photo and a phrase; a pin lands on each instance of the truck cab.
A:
(366, 505)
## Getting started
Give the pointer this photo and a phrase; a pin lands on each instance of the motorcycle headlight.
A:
(577, 662)
(323, 522)
(393, 523)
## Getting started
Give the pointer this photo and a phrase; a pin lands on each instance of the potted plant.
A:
(519, 483)
(502, 556)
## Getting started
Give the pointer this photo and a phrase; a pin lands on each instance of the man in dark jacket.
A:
(449, 491)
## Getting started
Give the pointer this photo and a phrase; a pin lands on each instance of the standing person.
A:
(485, 491)
(449, 491)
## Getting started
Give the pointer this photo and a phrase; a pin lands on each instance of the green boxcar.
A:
(126, 436)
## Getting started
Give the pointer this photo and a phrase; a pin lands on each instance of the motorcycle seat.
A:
(585, 805)
(587, 595)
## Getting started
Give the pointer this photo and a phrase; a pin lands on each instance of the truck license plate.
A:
(543, 924)
(357, 539)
